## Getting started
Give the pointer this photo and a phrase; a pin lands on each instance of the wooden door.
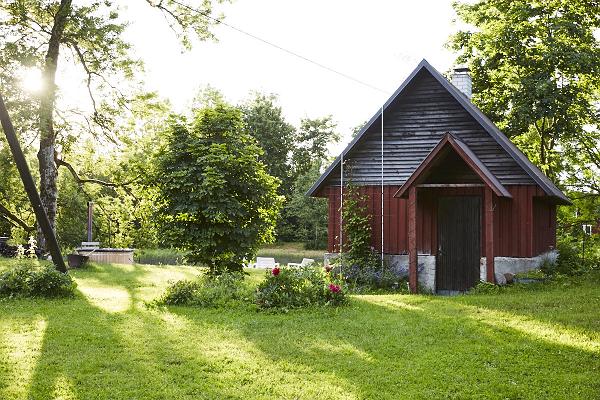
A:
(459, 233)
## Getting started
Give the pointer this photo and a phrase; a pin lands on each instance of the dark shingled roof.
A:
(536, 175)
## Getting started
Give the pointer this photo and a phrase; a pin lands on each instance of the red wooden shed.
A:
(450, 195)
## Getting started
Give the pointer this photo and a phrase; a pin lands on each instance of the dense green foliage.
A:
(284, 289)
(30, 279)
(65, 39)
(265, 122)
(357, 227)
(583, 249)
(536, 74)
(216, 200)
(296, 157)
(220, 291)
(304, 218)
(105, 343)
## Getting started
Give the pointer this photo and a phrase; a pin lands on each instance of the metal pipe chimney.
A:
(90, 216)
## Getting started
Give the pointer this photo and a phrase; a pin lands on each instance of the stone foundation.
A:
(425, 269)
(426, 265)
(516, 265)
(399, 262)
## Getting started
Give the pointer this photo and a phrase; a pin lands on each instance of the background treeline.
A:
(115, 176)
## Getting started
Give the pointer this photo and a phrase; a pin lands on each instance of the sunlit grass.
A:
(552, 333)
(107, 298)
(107, 344)
(20, 349)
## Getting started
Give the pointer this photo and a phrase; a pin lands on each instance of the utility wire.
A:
(290, 52)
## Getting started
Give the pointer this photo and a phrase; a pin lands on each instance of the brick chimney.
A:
(462, 80)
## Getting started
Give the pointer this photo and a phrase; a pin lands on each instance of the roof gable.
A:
(498, 138)
(467, 155)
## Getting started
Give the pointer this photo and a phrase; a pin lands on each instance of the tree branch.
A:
(81, 181)
(63, 163)
(15, 219)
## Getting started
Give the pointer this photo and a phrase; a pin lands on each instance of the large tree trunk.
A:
(47, 166)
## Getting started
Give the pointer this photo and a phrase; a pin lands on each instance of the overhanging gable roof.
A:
(542, 180)
(468, 157)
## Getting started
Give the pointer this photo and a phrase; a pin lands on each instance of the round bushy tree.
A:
(216, 199)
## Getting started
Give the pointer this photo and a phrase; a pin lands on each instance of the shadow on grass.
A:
(79, 349)
(565, 302)
(87, 353)
(378, 347)
(419, 347)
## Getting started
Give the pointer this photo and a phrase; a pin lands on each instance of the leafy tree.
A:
(314, 137)
(265, 121)
(305, 218)
(536, 73)
(44, 34)
(215, 196)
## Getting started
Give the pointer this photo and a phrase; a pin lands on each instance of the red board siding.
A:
(544, 223)
(524, 226)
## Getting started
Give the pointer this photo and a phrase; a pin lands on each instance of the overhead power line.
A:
(278, 47)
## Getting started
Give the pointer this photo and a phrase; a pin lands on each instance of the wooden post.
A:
(32, 193)
(489, 234)
(412, 240)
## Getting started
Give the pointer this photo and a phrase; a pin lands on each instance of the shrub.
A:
(219, 291)
(484, 287)
(287, 288)
(180, 293)
(32, 280)
(215, 198)
(569, 261)
(549, 263)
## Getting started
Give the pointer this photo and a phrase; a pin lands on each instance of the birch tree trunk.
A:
(47, 165)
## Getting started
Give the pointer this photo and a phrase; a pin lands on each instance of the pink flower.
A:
(275, 271)
(334, 288)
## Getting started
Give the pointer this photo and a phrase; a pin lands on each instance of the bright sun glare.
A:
(31, 80)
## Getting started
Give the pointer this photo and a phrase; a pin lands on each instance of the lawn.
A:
(106, 344)
(287, 252)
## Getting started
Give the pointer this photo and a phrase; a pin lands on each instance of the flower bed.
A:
(288, 288)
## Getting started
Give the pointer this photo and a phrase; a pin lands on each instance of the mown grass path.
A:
(106, 344)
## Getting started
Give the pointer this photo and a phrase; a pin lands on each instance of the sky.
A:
(378, 42)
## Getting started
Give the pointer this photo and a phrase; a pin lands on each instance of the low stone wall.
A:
(515, 265)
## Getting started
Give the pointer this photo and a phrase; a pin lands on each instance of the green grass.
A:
(159, 256)
(285, 253)
(105, 344)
